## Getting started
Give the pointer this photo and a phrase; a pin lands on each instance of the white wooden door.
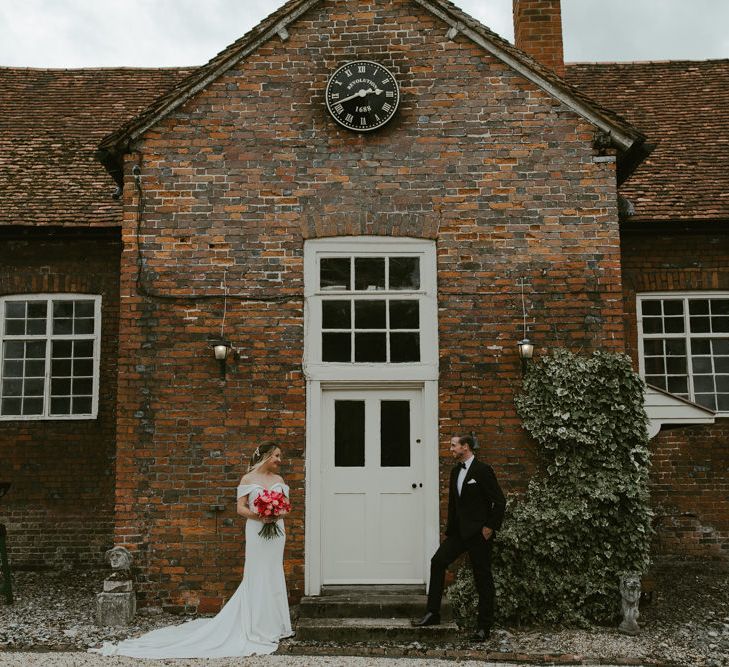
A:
(373, 512)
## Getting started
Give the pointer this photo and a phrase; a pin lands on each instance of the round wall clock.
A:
(362, 95)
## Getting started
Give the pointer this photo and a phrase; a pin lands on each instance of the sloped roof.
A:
(622, 133)
(51, 122)
(683, 106)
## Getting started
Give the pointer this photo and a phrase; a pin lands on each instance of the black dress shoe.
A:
(481, 635)
(429, 619)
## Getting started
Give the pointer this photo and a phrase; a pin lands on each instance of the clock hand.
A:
(360, 93)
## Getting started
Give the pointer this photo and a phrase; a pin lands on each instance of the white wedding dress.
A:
(251, 622)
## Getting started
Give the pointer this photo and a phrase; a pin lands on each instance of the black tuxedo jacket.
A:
(481, 502)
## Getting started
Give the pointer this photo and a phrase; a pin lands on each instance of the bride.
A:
(257, 616)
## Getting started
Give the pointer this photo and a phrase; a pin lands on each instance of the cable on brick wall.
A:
(145, 290)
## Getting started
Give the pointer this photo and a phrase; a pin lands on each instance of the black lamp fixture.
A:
(526, 347)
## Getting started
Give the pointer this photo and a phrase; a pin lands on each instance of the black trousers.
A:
(479, 553)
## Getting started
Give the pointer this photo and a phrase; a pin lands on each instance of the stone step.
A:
(364, 590)
(372, 630)
(346, 605)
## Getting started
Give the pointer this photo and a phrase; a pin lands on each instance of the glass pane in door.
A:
(394, 434)
(349, 434)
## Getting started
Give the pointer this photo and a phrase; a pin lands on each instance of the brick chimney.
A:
(538, 31)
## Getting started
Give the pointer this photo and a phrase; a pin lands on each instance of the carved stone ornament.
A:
(630, 593)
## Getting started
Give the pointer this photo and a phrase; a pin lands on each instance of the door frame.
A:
(313, 480)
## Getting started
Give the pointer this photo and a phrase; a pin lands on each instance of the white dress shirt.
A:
(462, 474)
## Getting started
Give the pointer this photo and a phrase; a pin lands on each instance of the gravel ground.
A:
(686, 623)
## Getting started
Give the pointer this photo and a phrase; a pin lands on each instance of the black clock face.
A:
(362, 95)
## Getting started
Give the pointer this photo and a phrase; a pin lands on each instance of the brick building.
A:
(368, 282)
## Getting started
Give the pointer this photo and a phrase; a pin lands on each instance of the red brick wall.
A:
(59, 510)
(690, 464)
(538, 31)
(235, 181)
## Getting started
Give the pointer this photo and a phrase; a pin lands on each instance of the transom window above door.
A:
(372, 302)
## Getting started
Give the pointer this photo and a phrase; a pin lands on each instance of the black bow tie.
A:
(463, 465)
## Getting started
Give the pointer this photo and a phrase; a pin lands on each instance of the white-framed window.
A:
(371, 302)
(684, 345)
(49, 356)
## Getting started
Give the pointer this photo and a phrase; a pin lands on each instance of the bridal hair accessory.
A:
(257, 453)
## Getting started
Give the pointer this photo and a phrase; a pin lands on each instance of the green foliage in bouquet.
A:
(586, 518)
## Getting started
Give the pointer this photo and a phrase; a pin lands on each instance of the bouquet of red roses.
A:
(271, 504)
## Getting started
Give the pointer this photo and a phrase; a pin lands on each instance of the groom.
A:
(475, 511)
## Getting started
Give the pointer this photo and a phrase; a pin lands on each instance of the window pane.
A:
(12, 388)
(722, 402)
(703, 383)
(652, 307)
(36, 327)
(678, 384)
(37, 309)
(81, 406)
(83, 348)
(336, 314)
(655, 365)
(700, 346)
(699, 324)
(404, 347)
(35, 369)
(720, 324)
(336, 347)
(652, 325)
(334, 273)
(676, 347)
(673, 324)
(394, 434)
(15, 309)
(11, 406)
(722, 383)
(14, 327)
(369, 315)
(83, 326)
(404, 314)
(14, 349)
(82, 386)
(676, 365)
(404, 273)
(370, 347)
(701, 364)
(721, 364)
(61, 387)
(62, 309)
(653, 347)
(369, 273)
(32, 406)
(698, 307)
(35, 349)
(707, 400)
(349, 434)
(33, 387)
(656, 380)
(83, 367)
(673, 307)
(12, 369)
(62, 348)
(720, 346)
(61, 368)
(720, 306)
(61, 406)
(62, 327)
(84, 309)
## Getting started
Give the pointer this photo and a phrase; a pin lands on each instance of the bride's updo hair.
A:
(262, 452)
